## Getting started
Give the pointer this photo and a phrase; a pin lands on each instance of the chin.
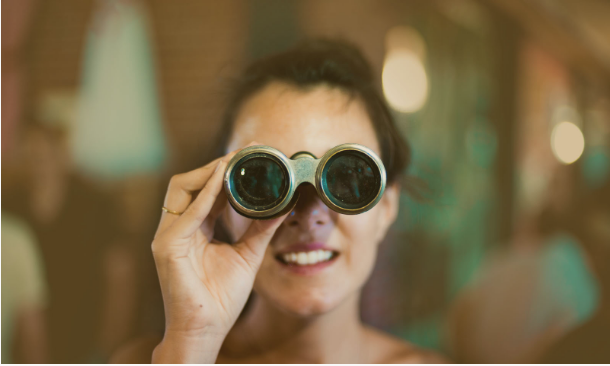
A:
(306, 302)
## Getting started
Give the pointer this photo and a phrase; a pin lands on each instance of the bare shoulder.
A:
(389, 349)
(138, 350)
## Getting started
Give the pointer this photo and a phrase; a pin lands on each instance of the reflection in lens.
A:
(259, 183)
(351, 180)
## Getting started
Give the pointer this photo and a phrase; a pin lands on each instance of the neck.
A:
(278, 337)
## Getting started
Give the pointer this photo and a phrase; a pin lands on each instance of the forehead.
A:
(293, 120)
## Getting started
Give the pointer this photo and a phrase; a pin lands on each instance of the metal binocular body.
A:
(261, 182)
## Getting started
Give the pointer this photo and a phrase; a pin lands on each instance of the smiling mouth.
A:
(310, 258)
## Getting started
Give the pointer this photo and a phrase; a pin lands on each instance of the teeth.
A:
(307, 258)
(312, 257)
(321, 255)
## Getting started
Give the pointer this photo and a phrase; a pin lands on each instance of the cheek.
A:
(361, 240)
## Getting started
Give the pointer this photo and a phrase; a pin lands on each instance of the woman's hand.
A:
(205, 284)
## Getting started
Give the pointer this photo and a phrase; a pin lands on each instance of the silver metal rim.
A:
(353, 147)
(265, 214)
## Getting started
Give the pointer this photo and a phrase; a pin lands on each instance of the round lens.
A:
(351, 179)
(259, 182)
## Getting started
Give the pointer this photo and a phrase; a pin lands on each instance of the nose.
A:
(310, 213)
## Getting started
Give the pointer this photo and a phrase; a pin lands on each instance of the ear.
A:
(389, 209)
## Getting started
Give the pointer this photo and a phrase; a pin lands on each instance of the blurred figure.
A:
(526, 296)
(132, 298)
(24, 295)
(588, 343)
(118, 136)
(24, 289)
(16, 18)
(118, 129)
(73, 222)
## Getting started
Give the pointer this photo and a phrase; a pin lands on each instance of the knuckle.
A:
(206, 190)
(195, 213)
(175, 180)
(158, 247)
(155, 247)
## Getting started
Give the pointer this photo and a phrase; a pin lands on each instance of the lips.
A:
(306, 258)
(303, 247)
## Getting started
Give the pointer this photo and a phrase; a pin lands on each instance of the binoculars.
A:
(261, 182)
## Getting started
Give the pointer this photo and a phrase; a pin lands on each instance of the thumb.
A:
(253, 243)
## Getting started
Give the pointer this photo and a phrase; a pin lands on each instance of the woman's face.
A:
(315, 120)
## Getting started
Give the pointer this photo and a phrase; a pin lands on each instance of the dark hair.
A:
(323, 62)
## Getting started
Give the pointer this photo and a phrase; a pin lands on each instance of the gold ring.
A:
(171, 211)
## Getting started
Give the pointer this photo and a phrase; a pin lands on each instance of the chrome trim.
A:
(265, 214)
(354, 147)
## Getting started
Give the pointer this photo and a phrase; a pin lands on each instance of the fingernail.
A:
(218, 166)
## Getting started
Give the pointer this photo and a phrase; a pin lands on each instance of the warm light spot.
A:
(405, 84)
(567, 142)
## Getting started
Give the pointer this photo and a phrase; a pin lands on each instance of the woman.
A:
(311, 98)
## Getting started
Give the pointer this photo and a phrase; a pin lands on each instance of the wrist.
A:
(183, 348)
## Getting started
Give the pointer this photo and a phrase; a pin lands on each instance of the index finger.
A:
(184, 187)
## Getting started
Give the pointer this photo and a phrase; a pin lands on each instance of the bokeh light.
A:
(567, 142)
(405, 84)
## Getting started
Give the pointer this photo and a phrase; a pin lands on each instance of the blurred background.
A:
(501, 257)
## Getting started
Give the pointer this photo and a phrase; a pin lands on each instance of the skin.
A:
(304, 319)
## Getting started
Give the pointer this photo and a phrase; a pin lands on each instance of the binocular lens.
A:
(260, 182)
(351, 179)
